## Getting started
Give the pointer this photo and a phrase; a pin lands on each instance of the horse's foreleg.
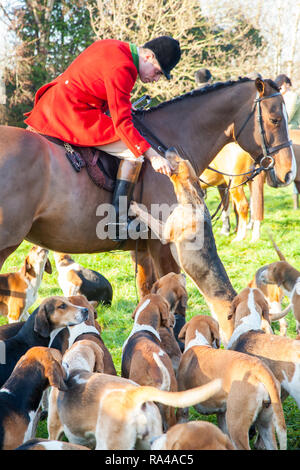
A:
(202, 264)
(4, 254)
(257, 204)
(296, 190)
(241, 204)
(163, 260)
(145, 272)
(224, 195)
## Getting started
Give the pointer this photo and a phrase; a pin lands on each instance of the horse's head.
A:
(269, 143)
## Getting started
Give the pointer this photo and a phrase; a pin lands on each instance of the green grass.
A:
(241, 260)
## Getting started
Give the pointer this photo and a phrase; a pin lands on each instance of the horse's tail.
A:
(281, 256)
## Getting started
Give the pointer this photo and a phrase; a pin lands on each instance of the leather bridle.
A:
(263, 158)
(267, 151)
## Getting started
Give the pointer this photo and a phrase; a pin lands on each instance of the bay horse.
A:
(44, 201)
(295, 136)
(233, 168)
(232, 159)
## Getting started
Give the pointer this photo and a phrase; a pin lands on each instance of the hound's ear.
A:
(260, 86)
(155, 287)
(182, 332)
(215, 334)
(233, 307)
(99, 358)
(41, 323)
(28, 268)
(48, 267)
(94, 303)
(164, 310)
(265, 309)
(136, 309)
(56, 375)
(97, 326)
(181, 305)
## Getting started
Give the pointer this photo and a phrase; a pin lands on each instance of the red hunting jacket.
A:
(72, 106)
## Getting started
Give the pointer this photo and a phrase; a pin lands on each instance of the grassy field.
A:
(241, 260)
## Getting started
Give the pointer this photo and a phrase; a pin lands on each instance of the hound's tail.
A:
(267, 378)
(281, 256)
(176, 399)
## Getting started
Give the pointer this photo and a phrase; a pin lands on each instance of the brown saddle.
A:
(101, 167)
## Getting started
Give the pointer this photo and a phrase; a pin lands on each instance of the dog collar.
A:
(77, 330)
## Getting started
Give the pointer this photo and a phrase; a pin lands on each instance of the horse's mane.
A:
(203, 91)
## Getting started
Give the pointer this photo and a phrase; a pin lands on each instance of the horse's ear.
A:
(260, 86)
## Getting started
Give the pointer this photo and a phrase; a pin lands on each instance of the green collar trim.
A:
(135, 54)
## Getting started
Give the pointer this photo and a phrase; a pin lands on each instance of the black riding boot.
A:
(127, 178)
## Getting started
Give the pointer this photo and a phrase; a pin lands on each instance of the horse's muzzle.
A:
(274, 182)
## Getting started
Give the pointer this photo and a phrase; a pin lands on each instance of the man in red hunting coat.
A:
(73, 106)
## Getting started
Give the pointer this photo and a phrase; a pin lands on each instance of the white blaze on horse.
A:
(45, 201)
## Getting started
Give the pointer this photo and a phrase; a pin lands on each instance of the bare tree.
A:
(279, 25)
(203, 43)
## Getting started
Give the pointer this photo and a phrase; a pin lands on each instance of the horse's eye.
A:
(62, 306)
(274, 121)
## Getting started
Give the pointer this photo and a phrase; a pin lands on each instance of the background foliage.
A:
(51, 33)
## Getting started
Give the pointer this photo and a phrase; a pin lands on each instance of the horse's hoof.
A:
(225, 232)
(238, 239)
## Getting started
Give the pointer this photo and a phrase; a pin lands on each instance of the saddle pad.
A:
(101, 167)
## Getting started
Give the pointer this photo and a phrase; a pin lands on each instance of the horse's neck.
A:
(184, 124)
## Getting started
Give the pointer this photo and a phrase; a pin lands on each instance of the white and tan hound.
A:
(21, 394)
(74, 279)
(144, 360)
(19, 290)
(194, 435)
(53, 314)
(108, 412)
(250, 393)
(281, 354)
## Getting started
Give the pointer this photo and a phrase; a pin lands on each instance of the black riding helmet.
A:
(167, 52)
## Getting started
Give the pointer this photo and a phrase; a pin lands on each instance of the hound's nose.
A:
(262, 277)
(85, 313)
